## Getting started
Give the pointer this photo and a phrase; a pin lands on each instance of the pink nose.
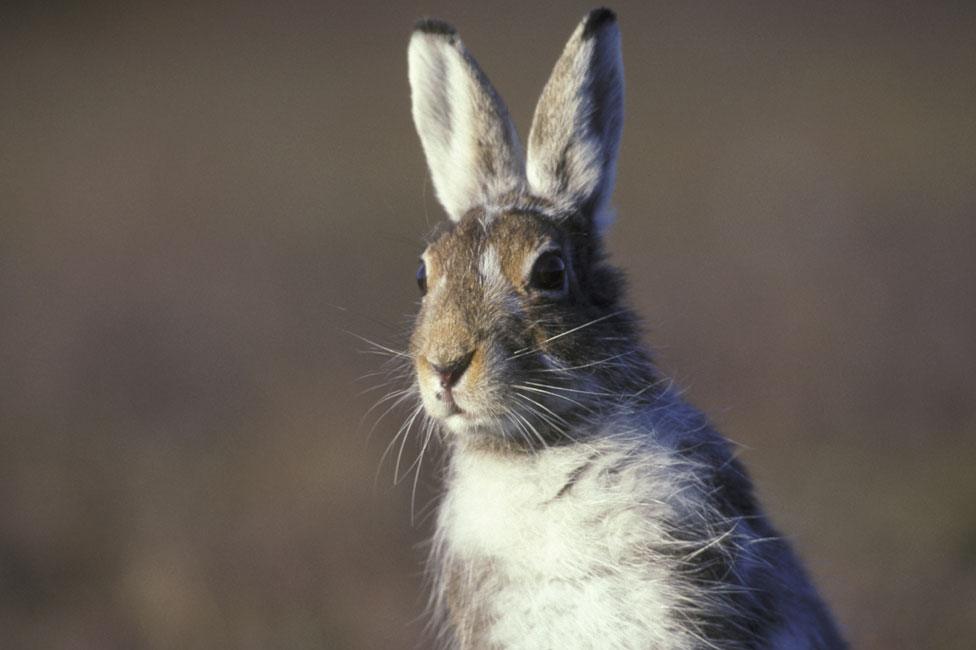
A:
(450, 373)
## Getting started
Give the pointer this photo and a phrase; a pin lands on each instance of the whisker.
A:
(542, 416)
(403, 443)
(520, 428)
(579, 327)
(379, 346)
(420, 460)
(536, 348)
(425, 428)
(547, 392)
(404, 397)
(401, 431)
(386, 398)
(531, 428)
(384, 384)
(573, 390)
(587, 365)
(543, 407)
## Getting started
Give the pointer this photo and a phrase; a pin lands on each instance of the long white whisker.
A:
(403, 443)
(586, 365)
(547, 392)
(545, 418)
(572, 390)
(384, 384)
(379, 346)
(531, 428)
(566, 333)
(403, 398)
(389, 446)
(543, 407)
(386, 398)
(425, 429)
(520, 428)
(429, 431)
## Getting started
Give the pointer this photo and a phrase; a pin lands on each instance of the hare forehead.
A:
(496, 250)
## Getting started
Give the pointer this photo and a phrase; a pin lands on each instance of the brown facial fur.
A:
(480, 300)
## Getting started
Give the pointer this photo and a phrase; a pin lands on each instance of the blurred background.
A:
(200, 201)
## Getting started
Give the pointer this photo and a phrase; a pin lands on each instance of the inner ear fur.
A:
(470, 142)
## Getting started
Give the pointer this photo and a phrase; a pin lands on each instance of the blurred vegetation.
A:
(198, 200)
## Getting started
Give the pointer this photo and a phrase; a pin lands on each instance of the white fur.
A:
(463, 124)
(573, 580)
(490, 268)
(435, 279)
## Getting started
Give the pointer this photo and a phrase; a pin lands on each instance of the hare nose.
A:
(450, 373)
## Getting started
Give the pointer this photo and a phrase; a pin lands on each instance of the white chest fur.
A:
(566, 534)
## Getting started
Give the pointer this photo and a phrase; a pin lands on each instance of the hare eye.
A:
(549, 272)
(422, 278)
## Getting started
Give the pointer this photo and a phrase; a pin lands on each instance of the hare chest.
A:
(550, 552)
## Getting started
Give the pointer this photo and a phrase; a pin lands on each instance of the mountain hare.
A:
(586, 505)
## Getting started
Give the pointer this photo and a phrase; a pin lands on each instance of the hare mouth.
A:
(443, 405)
(467, 423)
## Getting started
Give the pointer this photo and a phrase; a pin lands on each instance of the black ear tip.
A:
(597, 19)
(434, 26)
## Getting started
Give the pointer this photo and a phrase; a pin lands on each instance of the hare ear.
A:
(575, 133)
(471, 145)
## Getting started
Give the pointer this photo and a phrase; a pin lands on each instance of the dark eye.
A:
(549, 272)
(422, 278)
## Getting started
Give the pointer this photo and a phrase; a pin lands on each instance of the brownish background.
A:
(198, 199)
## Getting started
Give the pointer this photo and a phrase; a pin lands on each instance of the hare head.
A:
(520, 334)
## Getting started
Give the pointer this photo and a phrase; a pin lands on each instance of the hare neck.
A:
(535, 550)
